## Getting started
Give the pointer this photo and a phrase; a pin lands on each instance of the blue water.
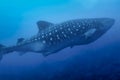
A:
(97, 61)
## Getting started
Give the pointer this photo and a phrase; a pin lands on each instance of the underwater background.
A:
(99, 60)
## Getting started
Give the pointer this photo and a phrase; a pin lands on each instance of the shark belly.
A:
(31, 47)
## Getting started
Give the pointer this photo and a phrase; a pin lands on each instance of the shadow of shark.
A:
(52, 38)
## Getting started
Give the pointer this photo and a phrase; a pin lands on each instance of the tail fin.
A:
(1, 51)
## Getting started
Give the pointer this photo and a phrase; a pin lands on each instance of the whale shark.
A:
(52, 38)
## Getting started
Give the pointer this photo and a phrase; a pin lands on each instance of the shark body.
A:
(52, 38)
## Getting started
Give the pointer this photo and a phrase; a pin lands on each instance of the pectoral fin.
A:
(89, 33)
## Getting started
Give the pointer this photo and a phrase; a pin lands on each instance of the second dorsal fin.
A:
(43, 25)
(20, 40)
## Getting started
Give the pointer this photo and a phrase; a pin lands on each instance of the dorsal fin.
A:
(20, 40)
(43, 25)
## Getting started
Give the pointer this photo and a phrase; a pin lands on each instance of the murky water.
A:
(97, 61)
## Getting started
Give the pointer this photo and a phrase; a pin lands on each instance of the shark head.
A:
(97, 28)
(107, 23)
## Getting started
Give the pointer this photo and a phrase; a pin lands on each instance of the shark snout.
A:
(107, 23)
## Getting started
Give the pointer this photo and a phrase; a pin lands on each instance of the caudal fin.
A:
(1, 51)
